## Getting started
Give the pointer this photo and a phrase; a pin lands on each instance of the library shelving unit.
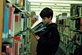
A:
(70, 29)
(14, 36)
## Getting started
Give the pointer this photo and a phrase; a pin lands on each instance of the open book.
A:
(38, 29)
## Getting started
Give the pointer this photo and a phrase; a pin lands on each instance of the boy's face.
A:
(46, 20)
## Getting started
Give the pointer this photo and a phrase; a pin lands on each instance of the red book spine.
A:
(81, 24)
(81, 28)
(10, 17)
(81, 21)
(3, 53)
(16, 18)
(15, 48)
(9, 49)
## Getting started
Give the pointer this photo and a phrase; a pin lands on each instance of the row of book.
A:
(17, 2)
(14, 41)
(21, 4)
(75, 24)
(70, 28)
(13, 22)
(76, 10)
(11, 48)
(18, 46)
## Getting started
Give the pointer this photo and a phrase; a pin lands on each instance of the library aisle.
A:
(34, 44)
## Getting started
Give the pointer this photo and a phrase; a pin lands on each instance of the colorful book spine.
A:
(18, 39)
(5, 24)
(80, 11)
(28, 7)
(15, 48)
(81, 24)
(25, 22)
(10, 17)
(13, 23)
(22, 22)
(16, 18)
(19, 2)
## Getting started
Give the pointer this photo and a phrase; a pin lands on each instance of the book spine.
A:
(22, 22)
(81, 24)
(10, 17)
(20, 2)
(13, 24)
(5, 24)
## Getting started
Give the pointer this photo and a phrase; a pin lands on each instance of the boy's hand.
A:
(37, 37)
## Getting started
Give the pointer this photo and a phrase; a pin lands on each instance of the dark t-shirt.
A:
(49, 41)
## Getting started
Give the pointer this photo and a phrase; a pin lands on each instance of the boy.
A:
(48, 43)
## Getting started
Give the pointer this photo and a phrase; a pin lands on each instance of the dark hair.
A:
(46, 12)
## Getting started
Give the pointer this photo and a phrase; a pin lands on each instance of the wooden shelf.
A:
(1, 22)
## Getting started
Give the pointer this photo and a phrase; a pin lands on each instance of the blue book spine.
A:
(23, 45)
(29, 5)
(5, 24)
(25, 22)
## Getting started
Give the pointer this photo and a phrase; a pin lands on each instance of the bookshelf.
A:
(14, 35)
(70, 29)
(1, 24)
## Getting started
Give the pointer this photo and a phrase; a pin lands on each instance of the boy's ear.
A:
(50, 17)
